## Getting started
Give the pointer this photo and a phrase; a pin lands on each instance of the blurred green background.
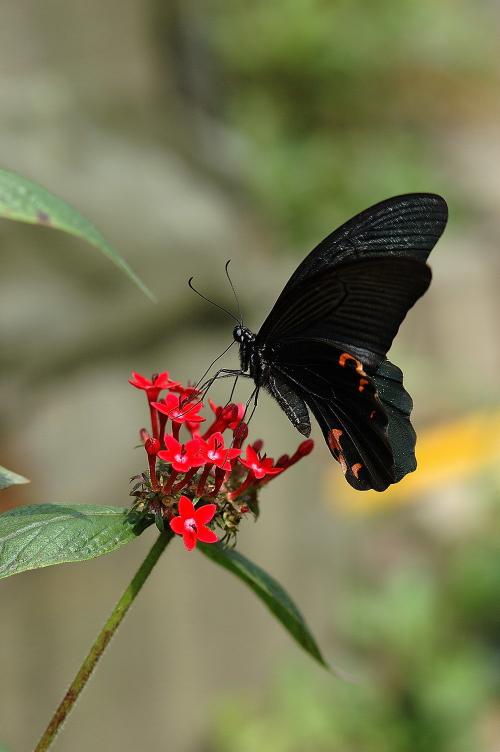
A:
(190, 134)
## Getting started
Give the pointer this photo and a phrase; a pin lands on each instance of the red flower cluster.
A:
(202, 467)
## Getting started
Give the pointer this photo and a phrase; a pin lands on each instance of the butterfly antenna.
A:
(240, 319)
(190, 283)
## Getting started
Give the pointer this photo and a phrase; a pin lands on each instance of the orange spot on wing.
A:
(355, 469)
(334, 439)
(362, 384)
(334, 444)
(346, 359)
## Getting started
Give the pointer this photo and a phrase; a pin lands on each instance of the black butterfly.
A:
(324, 344)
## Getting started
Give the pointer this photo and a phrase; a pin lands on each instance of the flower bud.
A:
(305, 448)
(239, 435)
(283, 461)
(152, 447)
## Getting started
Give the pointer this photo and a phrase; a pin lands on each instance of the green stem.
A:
(102, 642)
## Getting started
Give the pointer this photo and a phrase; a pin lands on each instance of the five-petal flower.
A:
(192, 523)
(175, 407)
(229, 416)
(214, 452)
(259, 467)
(153, 386)
(182, 457)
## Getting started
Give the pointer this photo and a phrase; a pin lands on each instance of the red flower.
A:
(182, 457)
(188, 391)
(305, 448)
(214, 452)
(240, 433)
(152, 446)
(229, 416)
(153, 386)
(237, 415)
(192, 523)
(259, 467)
(178, 410)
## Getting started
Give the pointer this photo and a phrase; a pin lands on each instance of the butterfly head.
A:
(242, 334)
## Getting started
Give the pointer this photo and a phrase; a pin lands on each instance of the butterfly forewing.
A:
(359, 304)
(409, 225)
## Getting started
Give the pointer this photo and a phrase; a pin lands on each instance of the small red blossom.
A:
(240, 433)
(179, 410)
(152, 446)
(214, 452)
(229, 416)
(187, 392)
(192, 523)
(305, 448)
(193, 428)
(259, 467)
(153, 386)
(182, 457)
(257, 445)
(237, 416)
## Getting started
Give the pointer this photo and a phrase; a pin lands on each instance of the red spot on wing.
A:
(356, 469)
(346, 359)
(362, 384)
(334, 444)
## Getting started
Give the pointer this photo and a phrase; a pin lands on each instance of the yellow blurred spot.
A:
(445, 454)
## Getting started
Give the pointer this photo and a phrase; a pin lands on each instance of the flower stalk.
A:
(102, 641)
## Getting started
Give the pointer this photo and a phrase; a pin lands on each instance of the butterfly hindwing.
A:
(363, 453)
(344, 401)
(398, 405)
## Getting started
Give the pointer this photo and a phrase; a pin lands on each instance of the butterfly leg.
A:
(222, 373)
(232, 390)
(255, 400)
(254, 395)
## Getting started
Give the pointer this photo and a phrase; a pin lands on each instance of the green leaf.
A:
(25, 201)
(270, 592)
(44, 534)
(8, 478)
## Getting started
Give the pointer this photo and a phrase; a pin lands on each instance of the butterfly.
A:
(322, 349)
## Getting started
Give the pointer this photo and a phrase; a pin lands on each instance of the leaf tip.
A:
(8, 478)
